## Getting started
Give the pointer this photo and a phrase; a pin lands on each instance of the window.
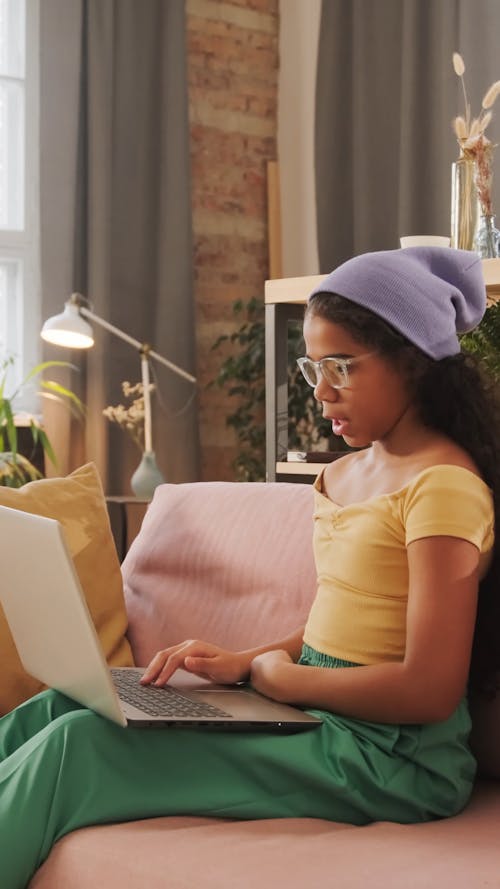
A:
(19, 186)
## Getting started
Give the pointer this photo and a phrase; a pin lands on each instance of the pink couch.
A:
(233, 563)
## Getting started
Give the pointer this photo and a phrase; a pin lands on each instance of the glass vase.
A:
(146, 477)
(487, 241)
(464, 204)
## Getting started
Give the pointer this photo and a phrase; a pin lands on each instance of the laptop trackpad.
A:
(244, 703)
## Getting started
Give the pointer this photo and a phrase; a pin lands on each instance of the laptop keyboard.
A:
(165, 702)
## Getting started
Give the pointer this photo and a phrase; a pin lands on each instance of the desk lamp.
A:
(72, 330)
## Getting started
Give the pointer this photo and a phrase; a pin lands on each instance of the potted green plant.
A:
(242, 375)
(15, 468)
(484, 340)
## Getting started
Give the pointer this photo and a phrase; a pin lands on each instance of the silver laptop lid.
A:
(57, 642)
(38, 577)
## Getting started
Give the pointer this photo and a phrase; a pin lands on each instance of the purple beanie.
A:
(429, 294)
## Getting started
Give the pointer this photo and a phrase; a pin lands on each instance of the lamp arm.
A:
(167, 363)
(110, 327)
(133, 342)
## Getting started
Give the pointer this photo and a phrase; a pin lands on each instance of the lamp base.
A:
(146, 477)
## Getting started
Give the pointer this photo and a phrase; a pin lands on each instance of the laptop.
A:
(58, 644)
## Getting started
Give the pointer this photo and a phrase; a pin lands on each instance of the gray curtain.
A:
(386, 94)
(116, 217)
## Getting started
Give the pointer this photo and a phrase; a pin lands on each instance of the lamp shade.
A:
(68, 329)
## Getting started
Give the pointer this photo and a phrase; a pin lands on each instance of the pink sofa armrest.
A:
(227, 562)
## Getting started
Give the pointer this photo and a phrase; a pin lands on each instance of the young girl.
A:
(407, 574)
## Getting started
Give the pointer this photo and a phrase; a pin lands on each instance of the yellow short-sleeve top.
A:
(359, 613)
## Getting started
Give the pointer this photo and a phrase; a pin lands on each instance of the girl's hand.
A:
(270, 674)
(202, 659)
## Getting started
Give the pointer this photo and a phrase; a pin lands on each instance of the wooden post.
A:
(274, 220)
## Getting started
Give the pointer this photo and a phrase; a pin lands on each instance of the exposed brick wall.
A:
(233, 75)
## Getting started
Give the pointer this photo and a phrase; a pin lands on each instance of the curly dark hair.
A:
(455, 396)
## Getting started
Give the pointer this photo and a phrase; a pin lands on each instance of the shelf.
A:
(297, 290)
(491, 272)
(291, 290)
(285, 468)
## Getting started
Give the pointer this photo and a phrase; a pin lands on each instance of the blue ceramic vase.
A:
(146, 477)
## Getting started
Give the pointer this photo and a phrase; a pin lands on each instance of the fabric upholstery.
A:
(227, 562)
(182, 853)
(248, 545)
(232, 563)
(76, 501)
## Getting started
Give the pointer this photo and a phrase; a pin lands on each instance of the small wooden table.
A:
(126, 513)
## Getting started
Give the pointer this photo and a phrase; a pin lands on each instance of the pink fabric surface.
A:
(184, 853)
(233, 563)
(226, 562)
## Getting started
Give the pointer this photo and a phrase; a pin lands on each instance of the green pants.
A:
(62, 767)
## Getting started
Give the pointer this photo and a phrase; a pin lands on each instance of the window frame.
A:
(23, 245)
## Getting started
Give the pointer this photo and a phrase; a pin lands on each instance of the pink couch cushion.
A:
(187, 853)
(232, 563)
(227, 562)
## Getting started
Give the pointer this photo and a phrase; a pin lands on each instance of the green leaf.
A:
(44, 365)
(9, 425)
(242, 375)
(62, 394)
(6, 363)
(16, 470)
(47, 446)
(38, 369)
(484, 340)
(218, 342)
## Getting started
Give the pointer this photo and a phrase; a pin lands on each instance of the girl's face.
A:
(370, 407)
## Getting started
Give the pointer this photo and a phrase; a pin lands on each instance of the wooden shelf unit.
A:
(285, 468)
(284, 301)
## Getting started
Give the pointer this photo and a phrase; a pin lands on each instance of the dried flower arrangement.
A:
(471, 137)
(130, 418)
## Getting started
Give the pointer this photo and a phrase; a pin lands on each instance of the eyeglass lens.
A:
(329, 369)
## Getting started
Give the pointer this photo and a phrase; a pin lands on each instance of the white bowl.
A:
(424, 241)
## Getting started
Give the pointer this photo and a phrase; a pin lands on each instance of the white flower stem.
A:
(467, 106)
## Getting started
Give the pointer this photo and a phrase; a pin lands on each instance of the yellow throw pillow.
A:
(78, 503)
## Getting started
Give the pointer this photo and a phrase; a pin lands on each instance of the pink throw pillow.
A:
(227, 562)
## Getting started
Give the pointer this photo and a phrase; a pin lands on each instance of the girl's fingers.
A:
(156, 666)
(166, 662)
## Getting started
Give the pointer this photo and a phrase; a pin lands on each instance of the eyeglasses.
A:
(335, 371)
